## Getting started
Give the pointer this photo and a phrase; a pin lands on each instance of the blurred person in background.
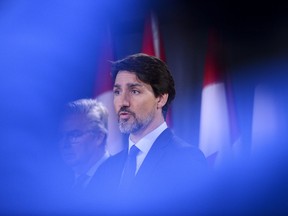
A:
(83, 135)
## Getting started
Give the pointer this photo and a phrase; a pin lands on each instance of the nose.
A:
(122, 100)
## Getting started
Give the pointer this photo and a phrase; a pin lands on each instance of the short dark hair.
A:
(150, 70)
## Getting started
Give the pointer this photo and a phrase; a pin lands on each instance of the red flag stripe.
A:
(219, 132)
(214, 68)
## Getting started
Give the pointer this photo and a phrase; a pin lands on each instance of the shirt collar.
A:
(146, 142)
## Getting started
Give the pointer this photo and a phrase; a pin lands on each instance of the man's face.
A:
(135, 104)
(78, 140)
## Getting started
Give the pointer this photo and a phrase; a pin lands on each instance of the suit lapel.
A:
(155, 154)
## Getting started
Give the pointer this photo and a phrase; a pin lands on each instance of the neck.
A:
(135, 137)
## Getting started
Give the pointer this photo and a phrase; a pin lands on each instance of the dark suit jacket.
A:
(171, 169)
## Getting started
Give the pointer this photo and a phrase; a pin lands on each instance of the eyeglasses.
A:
(75, 135)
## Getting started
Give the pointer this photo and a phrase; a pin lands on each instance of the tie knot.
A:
(133, 151)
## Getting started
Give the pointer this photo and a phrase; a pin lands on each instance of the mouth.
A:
(124, 115)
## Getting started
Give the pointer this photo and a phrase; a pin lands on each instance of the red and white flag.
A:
(218, 128)
(152, 40)
(104, 92)
(153, 45)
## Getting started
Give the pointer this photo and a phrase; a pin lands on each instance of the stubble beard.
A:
(137, 124)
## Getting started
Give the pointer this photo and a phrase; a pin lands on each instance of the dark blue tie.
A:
(129, 168)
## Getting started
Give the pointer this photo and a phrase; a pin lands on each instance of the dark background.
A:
(49, 52)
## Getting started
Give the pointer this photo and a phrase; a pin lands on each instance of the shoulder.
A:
(178, 144)
(180, 150)
(187, 147)
(114, 160)
(108, 176)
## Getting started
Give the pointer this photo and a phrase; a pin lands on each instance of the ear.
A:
(162, 100)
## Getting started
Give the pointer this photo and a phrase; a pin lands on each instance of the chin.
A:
(125, 128)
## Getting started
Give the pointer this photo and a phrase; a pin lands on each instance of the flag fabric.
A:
(153, 45)
(266, 118)
(152, 40)
(269, 113)
(104, 92)
(218, 127)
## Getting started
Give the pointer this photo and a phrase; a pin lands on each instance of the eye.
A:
(74, 134)
(135, 91)
(116, 92)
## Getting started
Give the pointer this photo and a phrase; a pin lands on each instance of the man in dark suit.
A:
(83, 134)
(165, 167)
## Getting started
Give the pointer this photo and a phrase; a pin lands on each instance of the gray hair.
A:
(92, 108)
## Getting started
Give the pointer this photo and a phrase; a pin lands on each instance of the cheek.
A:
(89, 145)
(80, 151)
(145, 107)
(116, 103)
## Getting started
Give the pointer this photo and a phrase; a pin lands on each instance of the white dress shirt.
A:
(146, 143)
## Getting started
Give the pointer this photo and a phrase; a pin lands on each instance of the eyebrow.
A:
(130, 85)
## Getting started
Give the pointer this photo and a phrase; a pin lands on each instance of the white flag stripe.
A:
(214, 123)
(155, 33)
(266, 118)
(114, 139)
